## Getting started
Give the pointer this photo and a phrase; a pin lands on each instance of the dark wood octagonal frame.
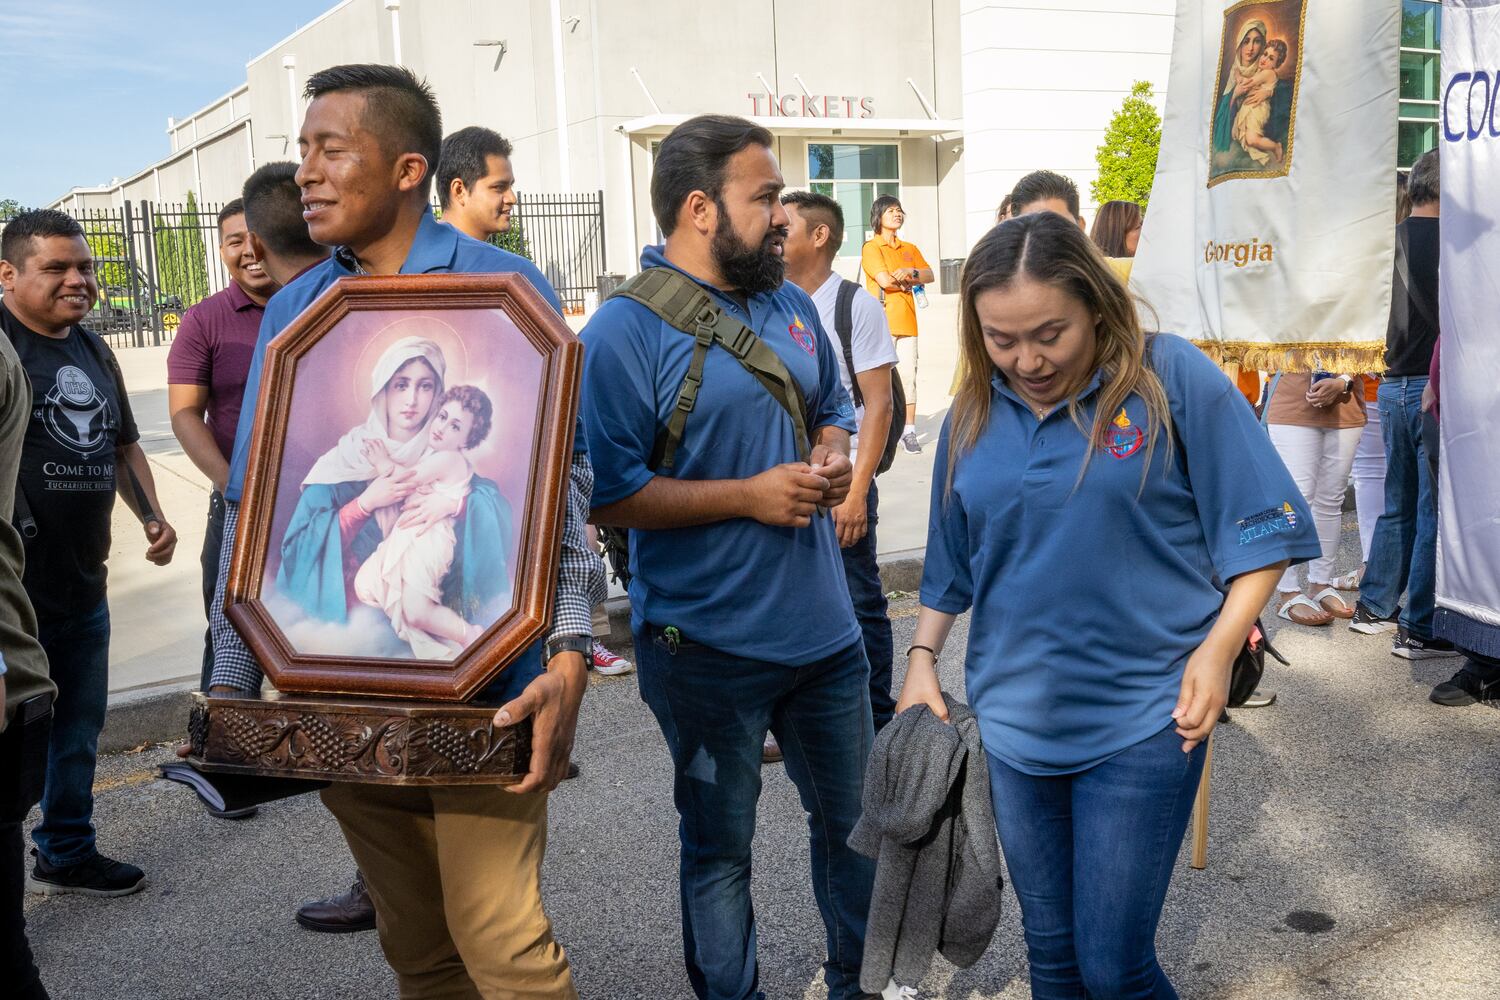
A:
(541, 521)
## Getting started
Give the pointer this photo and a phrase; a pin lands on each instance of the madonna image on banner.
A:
(1255, 106)
(394, 531)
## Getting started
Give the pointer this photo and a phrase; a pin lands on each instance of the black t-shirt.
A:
(79, 415)
(1414, 311)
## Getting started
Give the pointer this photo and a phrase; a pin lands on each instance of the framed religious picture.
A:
(1255, 94)
(400, 525)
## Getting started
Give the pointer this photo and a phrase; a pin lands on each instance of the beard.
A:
(748, 268)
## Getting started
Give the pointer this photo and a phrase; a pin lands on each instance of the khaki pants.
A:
(455, 875)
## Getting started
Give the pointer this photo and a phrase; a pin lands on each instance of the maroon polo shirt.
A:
(213, 348)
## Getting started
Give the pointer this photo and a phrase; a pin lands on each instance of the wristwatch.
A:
(1348, 382)
(583, 645)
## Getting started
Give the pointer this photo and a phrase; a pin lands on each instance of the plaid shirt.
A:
(580, 584)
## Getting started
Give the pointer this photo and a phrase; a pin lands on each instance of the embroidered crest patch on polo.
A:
(1124, 438)
(801, 334)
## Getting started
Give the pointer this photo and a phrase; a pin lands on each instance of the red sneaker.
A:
(608, 663)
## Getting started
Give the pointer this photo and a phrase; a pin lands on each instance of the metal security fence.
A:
(563, 234)
(155, 260)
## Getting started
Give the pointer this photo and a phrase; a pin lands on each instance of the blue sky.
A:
(86, 85)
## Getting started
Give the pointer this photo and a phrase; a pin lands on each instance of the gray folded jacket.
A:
(928, 823)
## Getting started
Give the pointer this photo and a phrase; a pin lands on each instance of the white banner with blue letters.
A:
(1468, 563)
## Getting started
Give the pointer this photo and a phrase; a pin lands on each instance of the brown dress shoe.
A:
(342, 914)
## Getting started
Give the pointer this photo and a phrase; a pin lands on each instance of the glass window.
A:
(830, 161)
(854, 175)
(1421, 24)
(1412, 140)
(1419, 110)
(1419, 76)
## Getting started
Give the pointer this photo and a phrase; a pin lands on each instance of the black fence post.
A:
(603, 243)
(148, 227)
(134, 274)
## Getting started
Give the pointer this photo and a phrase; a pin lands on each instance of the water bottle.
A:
(919, 293)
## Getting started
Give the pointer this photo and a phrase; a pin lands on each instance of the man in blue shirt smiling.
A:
(741, 617)
(368, 144)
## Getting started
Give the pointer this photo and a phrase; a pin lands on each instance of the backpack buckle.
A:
(687, 396)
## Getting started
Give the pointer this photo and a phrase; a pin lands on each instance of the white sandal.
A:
(1302, 601)
(1345, 611)
(1349, 581)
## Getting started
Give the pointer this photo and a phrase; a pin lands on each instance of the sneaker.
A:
(95, 876)
(910, 443)
(770, 751)
(1463, 688)
(1409, 647)
(1260, 699)
(609, 664)
(1367, 622)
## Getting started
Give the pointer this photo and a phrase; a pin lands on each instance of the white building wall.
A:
(1040, 83)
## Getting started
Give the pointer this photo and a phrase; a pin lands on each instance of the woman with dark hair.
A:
(892, 269)
(1096, 679)
(1117, 228)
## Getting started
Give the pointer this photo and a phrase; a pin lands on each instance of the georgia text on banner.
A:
(1267, 244)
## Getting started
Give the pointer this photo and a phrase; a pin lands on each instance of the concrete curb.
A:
(152, 714)
(158, 713)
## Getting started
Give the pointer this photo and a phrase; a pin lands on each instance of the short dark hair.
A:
(693, 158)
(466, 156)
(1423, 184)
(399, 108)
(273, 212)
(473, 400)
(1003, 212)
(879, 207)
(17, 243)
(1043, 185)
(229, 211)
(825, 211)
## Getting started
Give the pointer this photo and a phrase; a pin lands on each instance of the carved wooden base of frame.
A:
(375, 742)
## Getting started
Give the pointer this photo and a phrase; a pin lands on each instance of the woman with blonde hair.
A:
(1110, 510)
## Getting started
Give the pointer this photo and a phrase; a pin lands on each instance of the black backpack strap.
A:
(685, 306)
(843, 325)
(1403, 272)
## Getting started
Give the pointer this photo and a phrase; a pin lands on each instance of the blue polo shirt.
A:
(437, 249)
(1089, 597)
(746, 588)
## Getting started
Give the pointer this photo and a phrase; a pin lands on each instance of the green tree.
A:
(513, 239)
(107, 244)
(9, 207)
(181, 256)
(1127, 157)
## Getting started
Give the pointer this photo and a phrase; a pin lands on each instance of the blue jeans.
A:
(1090, 855)
(714, 710)
(78, 653)
(863, 574)
(1403, 552)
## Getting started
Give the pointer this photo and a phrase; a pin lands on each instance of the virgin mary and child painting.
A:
(393, 541)
(1260, 60)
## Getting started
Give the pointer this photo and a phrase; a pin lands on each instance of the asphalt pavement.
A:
(1351, 856)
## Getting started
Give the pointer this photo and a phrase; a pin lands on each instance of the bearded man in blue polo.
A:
(720, 433)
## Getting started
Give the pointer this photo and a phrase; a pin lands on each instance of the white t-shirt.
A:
(870, 337)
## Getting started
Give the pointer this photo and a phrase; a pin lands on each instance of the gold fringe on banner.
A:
(1351, 358)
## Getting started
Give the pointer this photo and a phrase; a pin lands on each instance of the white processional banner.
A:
(1269, 240)
(1468, 566)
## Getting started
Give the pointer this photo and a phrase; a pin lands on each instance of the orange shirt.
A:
(1372, 385)
(1249, 384)
(900, 307)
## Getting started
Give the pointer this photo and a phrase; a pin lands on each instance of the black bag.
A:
(1250, 665)
(843, 325)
